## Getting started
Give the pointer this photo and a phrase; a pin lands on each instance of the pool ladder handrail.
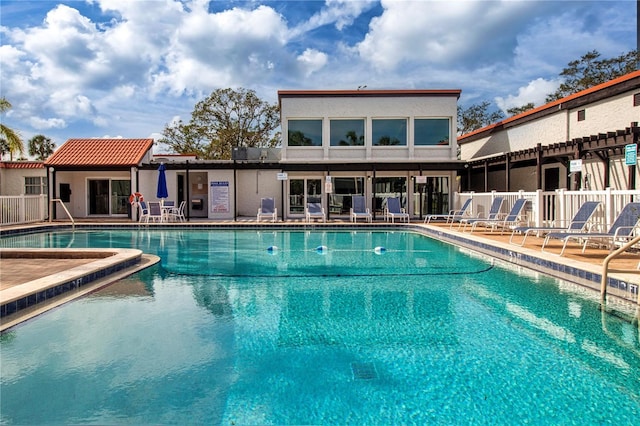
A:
(58, 200)
(605, 268)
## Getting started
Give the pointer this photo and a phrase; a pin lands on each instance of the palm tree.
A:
(9, 137)
(41, 147)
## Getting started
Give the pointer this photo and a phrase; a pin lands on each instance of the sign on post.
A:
(631, 154)
(575, 166)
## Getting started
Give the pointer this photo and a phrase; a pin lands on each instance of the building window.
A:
(304, 133)
(432, 131)
(35, 185)
(389, 131)
(636, 99)
(347, 133)
(581, 115)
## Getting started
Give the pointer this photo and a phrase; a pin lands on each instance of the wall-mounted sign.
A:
(283, 176)
(219, 197)
(575, 166)
(328, 187)
(631, 154)
(421, 179)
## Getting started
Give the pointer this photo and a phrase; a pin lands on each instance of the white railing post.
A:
(561, 215)
(610, 211)
(539, 209)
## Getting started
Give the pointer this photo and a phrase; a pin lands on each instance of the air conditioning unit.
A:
(239, 153)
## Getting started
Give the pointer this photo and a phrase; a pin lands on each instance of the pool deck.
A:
(25, 273)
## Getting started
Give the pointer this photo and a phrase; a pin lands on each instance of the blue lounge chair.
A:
(511, 219)
(315, 211)
(359, 209)
(621, 230)
(394, 210)
(494, 213)
(577, 224)
(453, 215)
(267, 210)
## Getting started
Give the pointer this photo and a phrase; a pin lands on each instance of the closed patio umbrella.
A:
(162, 192)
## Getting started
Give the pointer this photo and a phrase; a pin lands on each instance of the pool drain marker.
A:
(364, 371)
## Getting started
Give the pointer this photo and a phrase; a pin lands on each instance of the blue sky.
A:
(126, 68)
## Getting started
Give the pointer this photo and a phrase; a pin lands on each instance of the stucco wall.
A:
(12, 180)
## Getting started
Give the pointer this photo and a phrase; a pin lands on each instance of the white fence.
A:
(559, 206)
(16, 209)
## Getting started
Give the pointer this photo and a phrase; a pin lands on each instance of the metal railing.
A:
(58, 200)
(18, 209)
(547, 208)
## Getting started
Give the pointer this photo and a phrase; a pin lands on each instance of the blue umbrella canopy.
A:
(162, 183)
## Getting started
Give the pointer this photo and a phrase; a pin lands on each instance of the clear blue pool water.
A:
(224, 331)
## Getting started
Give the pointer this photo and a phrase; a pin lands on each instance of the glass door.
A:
(99, 197)
(303, 191)
(389, 187)
(120, 191)
(109, 197)
(432, 197)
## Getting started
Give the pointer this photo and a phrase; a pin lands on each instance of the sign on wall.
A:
(631, 154)
(220, 197)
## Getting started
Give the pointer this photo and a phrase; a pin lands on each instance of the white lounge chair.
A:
(267, 210)
(513, 218)
(359, 209)
(453, 214)
(622, 230)
(577, 224)
(494, 213)
(315, 211)
(394, 210)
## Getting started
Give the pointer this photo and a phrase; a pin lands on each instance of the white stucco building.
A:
(535, 149)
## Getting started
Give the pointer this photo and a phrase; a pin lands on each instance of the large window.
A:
(432, 131)
(35, 185)
(304, 133)
(389, 132)
(347, 133)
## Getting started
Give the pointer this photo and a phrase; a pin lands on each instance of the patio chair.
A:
(359, 209)
(494, 213)
(622, 230)
(577, 224)
(179, 213)
(155, 212)
(143, 211)
(267, 210)
(393, 210)
(314, 211)
(452, 215)
(513, 218)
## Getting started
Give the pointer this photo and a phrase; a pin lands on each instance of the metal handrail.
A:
(58, 200)
(605, 267)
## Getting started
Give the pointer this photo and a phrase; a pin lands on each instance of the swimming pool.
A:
(277, 327)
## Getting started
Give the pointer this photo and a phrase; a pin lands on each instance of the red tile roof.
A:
(21, 165)
(622, 79)
(100, 152)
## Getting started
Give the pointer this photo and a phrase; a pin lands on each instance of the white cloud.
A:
(340, 13)
(312, 60)
(438, 32)
(536, 92)
(47, 123)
